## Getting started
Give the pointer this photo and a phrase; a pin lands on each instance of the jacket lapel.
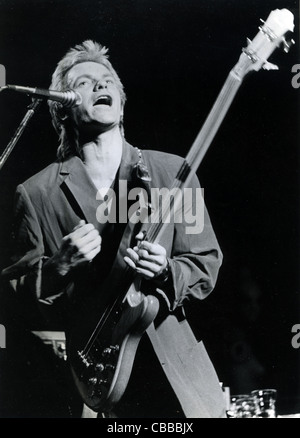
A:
(79, 190)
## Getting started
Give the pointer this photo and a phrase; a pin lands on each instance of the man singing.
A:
(70, 252)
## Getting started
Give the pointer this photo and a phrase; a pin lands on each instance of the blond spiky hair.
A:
(84, 52)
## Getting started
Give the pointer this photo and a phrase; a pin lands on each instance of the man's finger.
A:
(90, 246)
(152, 248)
(129, 262)
(145, 273)
(82, 231)
(133, 255)
(80, 224)
(140, 236)
(151, 267)
(92, 236)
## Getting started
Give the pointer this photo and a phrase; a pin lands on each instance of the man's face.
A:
(101, 107)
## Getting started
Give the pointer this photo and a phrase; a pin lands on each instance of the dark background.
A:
(173, 57)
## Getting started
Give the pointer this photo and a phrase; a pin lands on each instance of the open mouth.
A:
(103, 100)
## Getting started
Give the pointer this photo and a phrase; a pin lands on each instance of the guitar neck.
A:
(212, 122)
(254, 57)
(200, 145)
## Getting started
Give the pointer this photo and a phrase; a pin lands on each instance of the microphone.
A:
(67, 98)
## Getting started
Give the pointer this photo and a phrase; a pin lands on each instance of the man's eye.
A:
(83, 83)
(109, 81)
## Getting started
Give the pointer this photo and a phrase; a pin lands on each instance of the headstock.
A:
(270, 36)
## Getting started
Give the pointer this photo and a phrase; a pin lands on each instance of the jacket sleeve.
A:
(29, 258)
(195, 256)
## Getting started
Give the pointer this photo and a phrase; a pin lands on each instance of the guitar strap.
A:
(121, 276)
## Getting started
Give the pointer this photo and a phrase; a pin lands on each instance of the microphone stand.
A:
(19, 131)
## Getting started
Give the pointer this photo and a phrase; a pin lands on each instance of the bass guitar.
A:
(102, 362)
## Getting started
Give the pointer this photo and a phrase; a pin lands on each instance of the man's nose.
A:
(100, 84)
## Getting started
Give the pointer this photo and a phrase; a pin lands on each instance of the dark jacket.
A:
(51, 203)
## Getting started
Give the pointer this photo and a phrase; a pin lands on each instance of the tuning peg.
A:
(248, 41)
(269, 66)
(287, 45)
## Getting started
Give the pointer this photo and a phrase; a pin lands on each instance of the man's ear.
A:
(62, 113)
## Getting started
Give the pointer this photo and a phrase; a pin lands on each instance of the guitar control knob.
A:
(106, 351)
(115, 348)
(99, 367)
(92, 380)
(109, 366)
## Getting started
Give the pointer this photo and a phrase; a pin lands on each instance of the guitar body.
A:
(102, 372)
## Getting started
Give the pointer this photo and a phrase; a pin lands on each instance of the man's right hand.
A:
(78, 247)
